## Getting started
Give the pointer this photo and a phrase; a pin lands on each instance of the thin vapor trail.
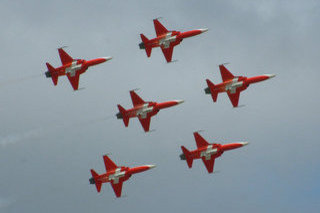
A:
(20, 79)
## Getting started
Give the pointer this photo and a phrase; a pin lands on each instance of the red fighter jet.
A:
(207, 152)
(143, 110)
(232, 85)
(166, 39)
(72, 68)
(115, 175)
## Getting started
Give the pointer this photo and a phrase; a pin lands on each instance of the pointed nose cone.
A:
(244, 143)
(169, 104)
(230, 146)
(139, 169)
(203, 30)
(97, 61)
(179, 101)
(107, 58)
(270, 75)
(151, 166)
(259, 78)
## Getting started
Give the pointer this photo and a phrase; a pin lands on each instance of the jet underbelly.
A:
(143, 112)
(208, 152)
(165, 43)
(73, 68)
(116, 176)
(232, 87)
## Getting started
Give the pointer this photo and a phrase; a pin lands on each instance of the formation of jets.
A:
(144, 110)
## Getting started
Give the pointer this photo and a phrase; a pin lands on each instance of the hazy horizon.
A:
(50, 137)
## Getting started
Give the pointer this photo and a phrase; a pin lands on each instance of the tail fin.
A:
(188, 156)
(96, 181)
(145, 41)
(124, 115)
(212, 90)
(53, 73)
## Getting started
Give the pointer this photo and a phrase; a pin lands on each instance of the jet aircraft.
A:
(143, 110)
(115, 175)
(207, 152)
(72, 68)
(166, 39)
(232, 85)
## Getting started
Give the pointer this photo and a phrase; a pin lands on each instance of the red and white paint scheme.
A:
(166, 39)
(232, 85)
(115, 175)
(72, 68)
(207, 152)
(143, 110)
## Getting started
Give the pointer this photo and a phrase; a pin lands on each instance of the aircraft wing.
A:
(136, 99)
(145, 122)
(167, 52)
(201, 142)
(64, 57)
(209, 163)
(234, 98)
(117, 188)
(225, 73)
(160, 29)
(108, 163)
(74, 80)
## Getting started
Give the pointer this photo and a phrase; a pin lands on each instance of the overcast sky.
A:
(50, 137)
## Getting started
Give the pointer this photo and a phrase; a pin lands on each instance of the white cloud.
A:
(18, 137)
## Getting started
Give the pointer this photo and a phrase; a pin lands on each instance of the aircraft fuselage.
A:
(171, 38)
(120, 174)
(213, 150)
(148, 109)
(77, 65)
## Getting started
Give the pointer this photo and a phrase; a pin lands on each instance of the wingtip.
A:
(224, 64)
(135, 89)
(198, 131)
(160, 17)
(62, 47)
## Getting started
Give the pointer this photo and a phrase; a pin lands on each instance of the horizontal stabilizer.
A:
(145, 45)
(95, 177)
(188, 156)
(53, 73)
(212, 89)
(123, 115)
